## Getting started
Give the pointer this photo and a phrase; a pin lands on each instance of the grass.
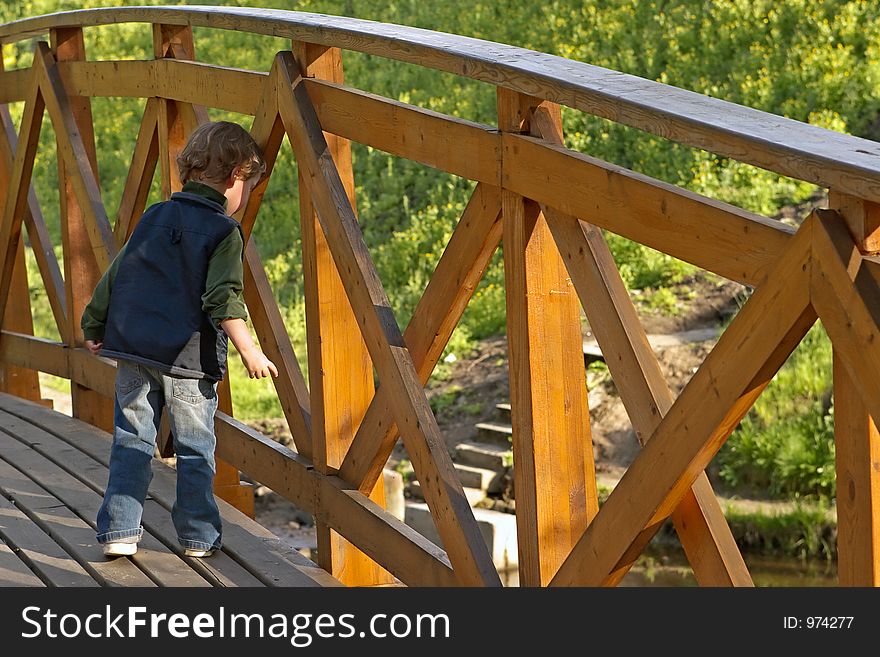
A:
(784, 447)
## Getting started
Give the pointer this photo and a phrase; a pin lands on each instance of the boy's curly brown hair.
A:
(215, 149)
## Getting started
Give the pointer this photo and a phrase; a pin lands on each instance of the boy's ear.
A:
(233, 176)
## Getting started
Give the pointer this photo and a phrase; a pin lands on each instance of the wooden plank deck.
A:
(53, 470)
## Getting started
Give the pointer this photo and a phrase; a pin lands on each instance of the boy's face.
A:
(238, 193)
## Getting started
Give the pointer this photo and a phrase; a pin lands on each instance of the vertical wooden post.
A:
(15, 380)
(175, 41)
(227, 485)
(340, 369)
(856, 439)
(552, 445)
(81, 271)
(175, 123)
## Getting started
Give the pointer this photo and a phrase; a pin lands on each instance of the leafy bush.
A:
(785, 445)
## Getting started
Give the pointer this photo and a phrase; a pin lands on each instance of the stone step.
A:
(498, 530)
(482, 455)
(494, 433)
(659, 341)
(502, 412)
(481, 478)
(474, 495)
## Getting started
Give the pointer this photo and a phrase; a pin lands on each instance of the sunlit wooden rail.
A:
(548, 204)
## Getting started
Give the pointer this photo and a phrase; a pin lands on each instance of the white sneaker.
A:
(198, 553)
(120, 549)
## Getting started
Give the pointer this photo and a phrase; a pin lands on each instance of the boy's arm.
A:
(254, 360)
(224, 304)
(94, 315)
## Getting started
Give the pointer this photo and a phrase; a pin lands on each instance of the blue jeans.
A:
(141, 393)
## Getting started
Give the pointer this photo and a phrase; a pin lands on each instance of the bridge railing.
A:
(548, 204)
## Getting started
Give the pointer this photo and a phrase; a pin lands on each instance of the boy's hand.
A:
(95, 346)
(257, 365)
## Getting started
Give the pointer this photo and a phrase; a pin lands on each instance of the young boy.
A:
(163, 310)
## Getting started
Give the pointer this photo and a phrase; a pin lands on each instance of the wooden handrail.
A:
(789, 147)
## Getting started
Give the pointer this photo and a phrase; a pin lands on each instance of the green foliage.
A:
(804, 532)
(785, 445)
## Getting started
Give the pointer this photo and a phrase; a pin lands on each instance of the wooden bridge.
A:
(546, 202)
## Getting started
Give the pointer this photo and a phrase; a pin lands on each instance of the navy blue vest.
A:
(155, 315)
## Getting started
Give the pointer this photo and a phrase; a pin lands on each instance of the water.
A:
(765, 571)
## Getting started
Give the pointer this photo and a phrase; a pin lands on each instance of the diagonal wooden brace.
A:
(455, 521)
(741, 365)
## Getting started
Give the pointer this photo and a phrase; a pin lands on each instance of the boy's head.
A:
(218, 153)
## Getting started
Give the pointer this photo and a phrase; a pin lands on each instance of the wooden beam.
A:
(857, 451)
(399, 548)
(86, 235)
(745, 359)
(172, 123)
(269, 325)
(18, 381)
(862, 218)
(699, 519)
(451, 511)
(194, 83)
(14, 85)
(464, 148)
(789, 147)
(140, 173)
(340, 370)
(35, 353)
(710, 234)
(19, 185)
(38, 232)
(846, 293)
(72, 120)
(438, 312)
(268, 131)
(554, 472)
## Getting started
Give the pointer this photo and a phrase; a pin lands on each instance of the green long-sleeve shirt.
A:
(224, 284)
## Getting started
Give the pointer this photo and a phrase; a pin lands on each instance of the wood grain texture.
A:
(23, 382)
(449, 506)
(846, 294)
(251, 555)
(87, 238)
(554, 473)
(710, 234)
(737, 370)
(19, 184)
(398, 547)
(699, 519)
(72, 119)
(38, 232)
(290, 384)
(438, 312)
(140, 173)
(466, 149)
(48, 560)
(857, 455)
(340, 369)
(190, 82)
